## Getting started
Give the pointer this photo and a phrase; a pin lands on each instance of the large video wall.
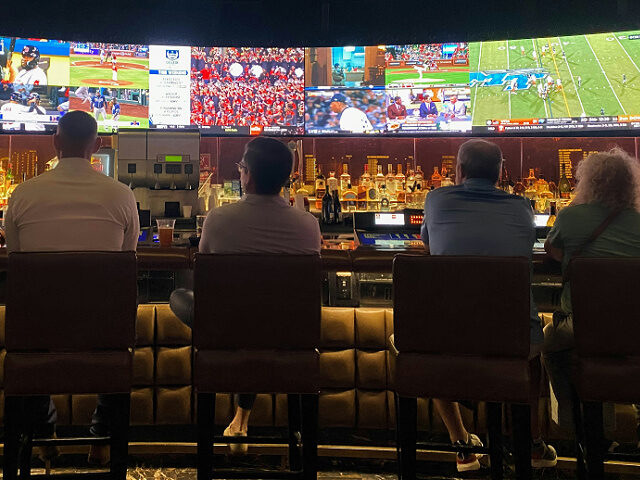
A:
(573, 83)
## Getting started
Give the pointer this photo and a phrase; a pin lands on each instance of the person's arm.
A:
(11, 229)
(132, 228)
(554, 245)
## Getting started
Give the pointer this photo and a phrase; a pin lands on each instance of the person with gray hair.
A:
(608, 189)
(476, 218)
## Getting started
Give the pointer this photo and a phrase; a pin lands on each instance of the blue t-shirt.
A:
(476, 218)
(98, 101)
(115, 109)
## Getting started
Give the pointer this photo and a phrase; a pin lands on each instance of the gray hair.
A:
(610, 178)
(480, 159)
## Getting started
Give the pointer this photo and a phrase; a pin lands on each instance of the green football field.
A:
(86, 70)
(591, 71)
(409, 74)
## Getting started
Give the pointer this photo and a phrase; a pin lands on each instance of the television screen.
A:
(113, 108)
(248, 90)
(572, 83)
(34, 74)
(346, 111)
(109, 65)
(344, 67)
(169, 86)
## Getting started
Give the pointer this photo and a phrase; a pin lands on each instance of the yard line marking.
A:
(570, 73)
(475, 96)
(508, 68)
(539, 62)
(625, 51)
(553, 57)
(605, 75)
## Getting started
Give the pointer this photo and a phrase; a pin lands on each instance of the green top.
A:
(575, 224)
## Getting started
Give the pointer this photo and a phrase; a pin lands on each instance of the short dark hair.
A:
(480, 159)
(77, 128)
(269, 162)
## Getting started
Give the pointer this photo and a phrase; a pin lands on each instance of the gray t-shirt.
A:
(575, 224)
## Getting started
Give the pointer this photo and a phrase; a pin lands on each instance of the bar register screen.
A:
(173, 158)
(389, 219)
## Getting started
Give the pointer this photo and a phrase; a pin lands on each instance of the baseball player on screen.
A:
(114, 70)
(115, 110)
(351, 119)
(30, 73)
(98, 103)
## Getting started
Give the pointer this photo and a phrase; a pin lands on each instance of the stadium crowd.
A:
(423, 53)
(247, 86)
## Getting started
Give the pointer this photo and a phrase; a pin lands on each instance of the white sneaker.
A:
(468, 462)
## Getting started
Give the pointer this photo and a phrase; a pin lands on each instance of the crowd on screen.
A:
(247, 86)
(424, 53)
(319, 112)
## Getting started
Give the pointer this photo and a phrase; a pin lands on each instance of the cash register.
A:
(388, 230)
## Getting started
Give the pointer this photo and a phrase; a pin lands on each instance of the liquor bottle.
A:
(436, 178)
(390, 181)
(401, 180)
(410, 188)
(541, 184)
(373, 198)
(531, 179)
(321, 188)
(519, 187)
(337, 208)
(419, 196)
(446, 179)
(349, 199)
(552, 214)
(327, 209)
(345, 178)
(363, 186)
(564, 187)
(385, 199)
(379, 180)
(420, 177)
(332, 182)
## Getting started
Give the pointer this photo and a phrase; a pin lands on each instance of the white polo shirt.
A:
(260, 224)
(72, 207)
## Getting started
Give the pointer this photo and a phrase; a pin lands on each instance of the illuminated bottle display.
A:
(349, 199)
(419, 177)
(552, 214)
(519, 187)
(390, 181)
(345, 178)
(379, 178)
(363, 186)
(564, 187)
(321, 188)
(436, 178)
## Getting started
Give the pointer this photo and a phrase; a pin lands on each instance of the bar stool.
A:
(606, 327)
(461, 332)
(256, 330)
(70, 329)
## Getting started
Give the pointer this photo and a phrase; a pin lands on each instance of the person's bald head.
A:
(77, 135)
(479, 159)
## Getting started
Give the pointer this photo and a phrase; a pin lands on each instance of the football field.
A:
(592, 69)
(88, 71)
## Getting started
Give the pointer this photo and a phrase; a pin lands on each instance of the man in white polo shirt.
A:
(262, 222)
(72, 207)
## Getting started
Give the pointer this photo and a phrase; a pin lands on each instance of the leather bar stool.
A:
(70, 329)
(256, 330)
(606, 325)
(461, 332)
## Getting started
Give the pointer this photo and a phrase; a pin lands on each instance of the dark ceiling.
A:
(311, 22)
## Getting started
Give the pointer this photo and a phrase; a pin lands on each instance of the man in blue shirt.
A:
(476, 218)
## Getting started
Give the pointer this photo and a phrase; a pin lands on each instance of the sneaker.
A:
(543, 455)
(236, 448)
(99, 455)
(468, 462)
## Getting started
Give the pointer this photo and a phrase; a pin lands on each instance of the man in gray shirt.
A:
(476, 218)
(261, 222)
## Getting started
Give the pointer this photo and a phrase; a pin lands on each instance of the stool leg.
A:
(521, 419)
(407, 414)
(12, 415)
(294, 407)
(581, 470)
(594, 439)
(494, 421)
(310, 436)
(120, 435)
(206, 419)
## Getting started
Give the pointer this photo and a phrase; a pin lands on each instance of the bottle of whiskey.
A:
(327, 209)
(564, 187)
(373, 199)
(379, 180)
(436, 178)
(530, 181)
(345, 178)
(332, 182)
(401, 185)
(519, 187)
(419, 177)
(411, 187)
(321, 188)
(337, 208)
(390, 181)
(349, 199)
(363, 186)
